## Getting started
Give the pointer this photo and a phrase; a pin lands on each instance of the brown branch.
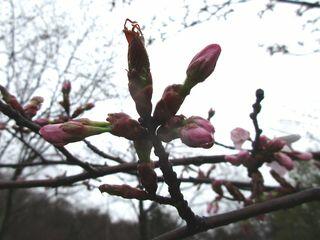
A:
(170, 178)
(102, 171)
(101, 153)
(285, 202)
(239, 184)
(22, 121)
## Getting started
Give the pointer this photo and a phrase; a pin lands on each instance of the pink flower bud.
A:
(42, 121)
(201, 122)
(202, 65)
(239, 158)
(195, 136)
(263, 140)
(169, 104)
(239, 136)
(284, 160)
(124, 126)
(66, 87)
(275, 145)
(63, 133)
(171, 129)
(303, 156)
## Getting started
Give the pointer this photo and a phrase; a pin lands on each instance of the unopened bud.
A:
(66, 87)
(124, 126)
(124, 191)
(202, 65)
(33, 106)
(148, 176)
(169, 104)
(63, 133)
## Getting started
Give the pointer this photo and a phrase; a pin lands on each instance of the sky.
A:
(290, 82)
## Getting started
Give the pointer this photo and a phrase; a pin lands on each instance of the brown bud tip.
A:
(148, 177)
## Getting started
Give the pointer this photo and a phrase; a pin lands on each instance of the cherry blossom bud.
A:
(239, 136)
(148, 176)
(275, 145)
(202, 65)
(81, 109)
(303, 156)
(282, 181)
(197, 132)
(124, 191)
(171, 129)
(63, 133)
(66, 87)
(201, 122)
(139, 75)
(263, 140)
(33, 106)
(239, 158)
(11, 100)
(124, 126)
(284, 160)
(42, 121)
(234, 192)
(217, 186)
(169, 104)
(195, 136)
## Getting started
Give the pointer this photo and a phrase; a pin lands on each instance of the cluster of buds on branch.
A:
(276, 150)
(162, 124)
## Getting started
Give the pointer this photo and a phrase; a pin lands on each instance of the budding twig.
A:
(256, 110)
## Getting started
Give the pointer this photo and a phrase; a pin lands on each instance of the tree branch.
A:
(285, 202)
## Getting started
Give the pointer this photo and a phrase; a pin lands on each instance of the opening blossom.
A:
(239, 136)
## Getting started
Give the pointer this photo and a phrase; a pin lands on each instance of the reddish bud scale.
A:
(66, 87)
(124, 191)
(217, 187)
(81, 109)
(139, 75)
(33, 106)
(281, 181)
(143, 148)
(124, 126)
(169, 104)
(11, 100)
(148, 176)
(234, 192)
